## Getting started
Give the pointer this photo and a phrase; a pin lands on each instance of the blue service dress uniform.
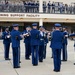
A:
(37, 7)
(44, 8)
(6, 41)
(35, 46)
(45, 45)
(41, 46)
(15, 38)
(27, 44)
(29, 7)
(49, 7)
(56, 45)
(64, 49)
(33, 5)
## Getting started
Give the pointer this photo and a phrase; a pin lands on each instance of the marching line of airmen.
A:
(35, 44)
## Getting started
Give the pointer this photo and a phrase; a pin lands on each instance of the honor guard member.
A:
(41, 44)
(49, 6)
(45, 43)
(15, 38)
(65, 42)
(51, 38)
(27, 39)
(34, 44)
(6, 41)
(56, 45)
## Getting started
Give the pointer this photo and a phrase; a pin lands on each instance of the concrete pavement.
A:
(45, 68)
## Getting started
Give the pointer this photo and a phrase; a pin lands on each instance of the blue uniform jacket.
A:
(27, 38)
(34, 37)
(37, 4)
(15, 38)
(56, 41)
(46, 40)
(41, 39)
(65, 38)
(48, 5)
(4, 37)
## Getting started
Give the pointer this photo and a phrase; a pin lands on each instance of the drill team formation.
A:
(35, 42)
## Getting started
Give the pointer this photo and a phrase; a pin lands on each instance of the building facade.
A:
(43, 19)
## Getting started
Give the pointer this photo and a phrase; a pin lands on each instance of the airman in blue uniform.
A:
(53, 7)
(56, 45)
(29, 6)
(25, 6)
(15, 38)
(44, 7)
(27, 39)
(65, 42)
(34, 44)
(45, 43)
(41, 44)
(37, 6)
(49, 7)
(33, 5)
(6, 41)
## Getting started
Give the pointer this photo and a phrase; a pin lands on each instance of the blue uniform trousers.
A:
(64, 52)
(27, 50)
(6, 53)
(41, 50)
(34, 50)
(16, 57)
(44, 52)
(19, 53)
(57, 59)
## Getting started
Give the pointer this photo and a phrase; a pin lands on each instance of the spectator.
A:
(49, 6)
(70, 9)
(53, 7)
(37, 6)
(44, 7)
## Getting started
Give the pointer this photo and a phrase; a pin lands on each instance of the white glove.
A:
(66, 35)
(24, 34)
(8, 36)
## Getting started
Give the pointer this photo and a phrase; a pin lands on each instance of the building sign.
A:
(33, 15)
(4, 15)
(19, 15)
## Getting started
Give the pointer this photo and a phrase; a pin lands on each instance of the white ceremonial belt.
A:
(41, 39)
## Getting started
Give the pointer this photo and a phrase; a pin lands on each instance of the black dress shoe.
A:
(35, 64)
(27, 58)
(19, 61)
(17, 67)
(40, 60)
(74, 63)
(56, 70)
(7, 59)
(51, 57)
(63, 60)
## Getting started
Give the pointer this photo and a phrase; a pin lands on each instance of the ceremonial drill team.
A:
(35, 42)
